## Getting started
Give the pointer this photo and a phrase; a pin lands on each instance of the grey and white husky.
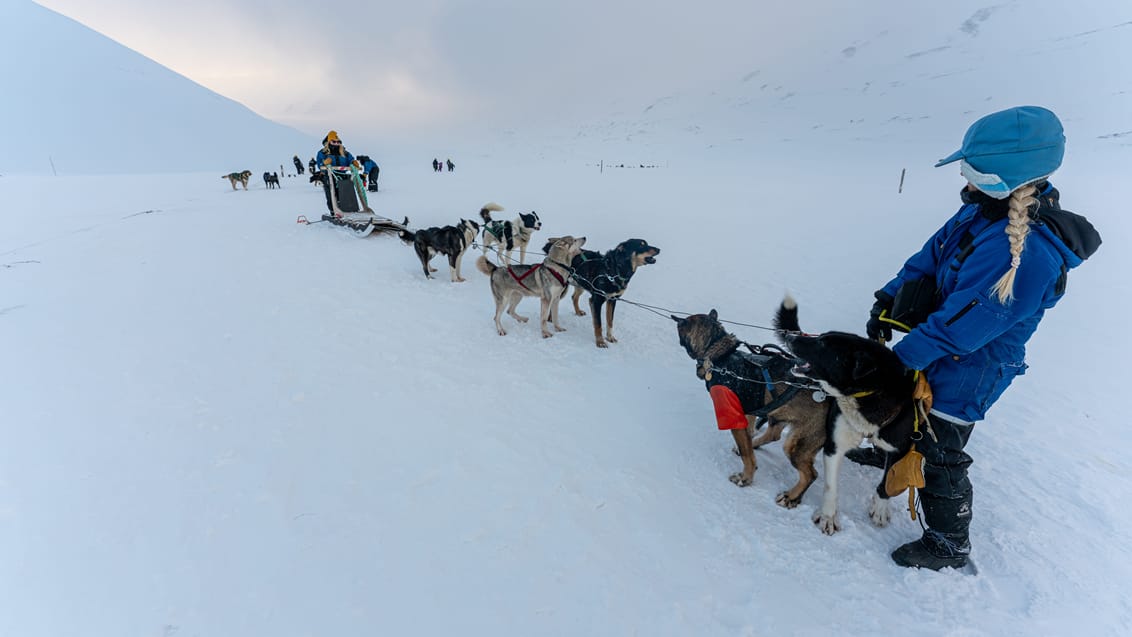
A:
(547, 280)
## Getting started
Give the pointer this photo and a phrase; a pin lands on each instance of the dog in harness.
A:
(547, 280)
(751, 388)
(508, 235)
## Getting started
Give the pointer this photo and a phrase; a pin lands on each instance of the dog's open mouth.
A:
(650, 260)
(802, 368)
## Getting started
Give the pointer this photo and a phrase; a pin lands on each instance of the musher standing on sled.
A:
(333, 154)
(972, 297)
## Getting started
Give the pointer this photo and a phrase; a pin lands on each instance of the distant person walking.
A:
(298, 164)
(435, 165)
(451, 166)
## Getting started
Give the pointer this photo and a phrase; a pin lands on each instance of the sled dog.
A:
(451, 241)
(508, 235)
(240, 178)
(606, 277)
(874, 398)
(547, 280)
(752, 388)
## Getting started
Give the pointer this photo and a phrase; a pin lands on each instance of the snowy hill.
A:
(89, 105)
(882, 76)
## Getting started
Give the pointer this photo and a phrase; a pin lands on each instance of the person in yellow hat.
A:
(333, 154)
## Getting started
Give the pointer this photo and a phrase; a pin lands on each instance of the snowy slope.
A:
(871, 78)
(79, 103)
(219, 422)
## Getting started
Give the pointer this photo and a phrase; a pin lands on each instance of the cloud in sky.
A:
(445, 63)
(425, 68)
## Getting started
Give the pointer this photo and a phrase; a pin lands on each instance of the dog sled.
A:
(351, 205)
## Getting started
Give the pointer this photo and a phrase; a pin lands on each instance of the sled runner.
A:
(363, 223)
(351, 206)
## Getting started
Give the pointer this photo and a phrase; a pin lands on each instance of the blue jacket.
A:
(972, 346)
(345, 159)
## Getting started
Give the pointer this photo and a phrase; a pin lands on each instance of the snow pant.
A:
(947, 493)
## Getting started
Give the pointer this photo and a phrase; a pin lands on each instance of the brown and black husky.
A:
(766, 390)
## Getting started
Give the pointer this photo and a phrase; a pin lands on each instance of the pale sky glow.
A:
(443, 63)
(721, 70)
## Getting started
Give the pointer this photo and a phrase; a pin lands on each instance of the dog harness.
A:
(739, 382)
(519, 279)
(496, 228)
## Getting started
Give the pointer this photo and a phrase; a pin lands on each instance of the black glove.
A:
(877, 329)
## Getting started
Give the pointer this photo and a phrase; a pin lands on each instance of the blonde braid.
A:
(1017, 228)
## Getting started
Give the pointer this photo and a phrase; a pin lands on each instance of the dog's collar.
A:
(569, 269)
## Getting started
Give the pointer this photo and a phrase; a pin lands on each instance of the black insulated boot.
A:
(934, 550)
(868, 456)
(945, 542)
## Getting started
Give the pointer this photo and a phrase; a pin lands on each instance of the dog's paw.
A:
(735, 450)
(546, 334)
(738, 480)
(785, 501)
(459, 280)
(431, 269)
(503, 332)
(520, 318)
(609, 337)
(579, 312)
(559, 329)
(879, 511)
(602, 344)
(827, 524)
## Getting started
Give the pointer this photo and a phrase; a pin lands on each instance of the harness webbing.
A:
(519, 279)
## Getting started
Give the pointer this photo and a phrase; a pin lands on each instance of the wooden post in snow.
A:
(901, 188)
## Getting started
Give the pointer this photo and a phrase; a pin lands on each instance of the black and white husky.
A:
(451, 241)
(508, 235)
(873, 390)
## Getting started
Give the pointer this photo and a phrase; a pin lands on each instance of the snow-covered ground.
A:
(220, 422)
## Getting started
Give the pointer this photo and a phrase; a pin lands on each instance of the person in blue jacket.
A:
(370, 172)
(333, 153)
(971, 298)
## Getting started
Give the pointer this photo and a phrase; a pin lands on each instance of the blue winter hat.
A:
(1009, 149)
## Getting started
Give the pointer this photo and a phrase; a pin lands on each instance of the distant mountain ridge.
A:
(77, 102)
(907, 79)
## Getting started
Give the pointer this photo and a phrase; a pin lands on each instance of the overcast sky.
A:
(430, 66)
(448, 62)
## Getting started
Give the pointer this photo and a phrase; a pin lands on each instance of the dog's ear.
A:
(713, 315)
(863, 365)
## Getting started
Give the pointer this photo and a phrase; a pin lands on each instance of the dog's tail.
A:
(485, 266)
(488, 208)
(786, 318)
(408, 236)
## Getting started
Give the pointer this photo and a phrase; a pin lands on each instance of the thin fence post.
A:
(901, 188)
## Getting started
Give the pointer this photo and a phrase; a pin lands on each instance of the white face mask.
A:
(989, 184)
